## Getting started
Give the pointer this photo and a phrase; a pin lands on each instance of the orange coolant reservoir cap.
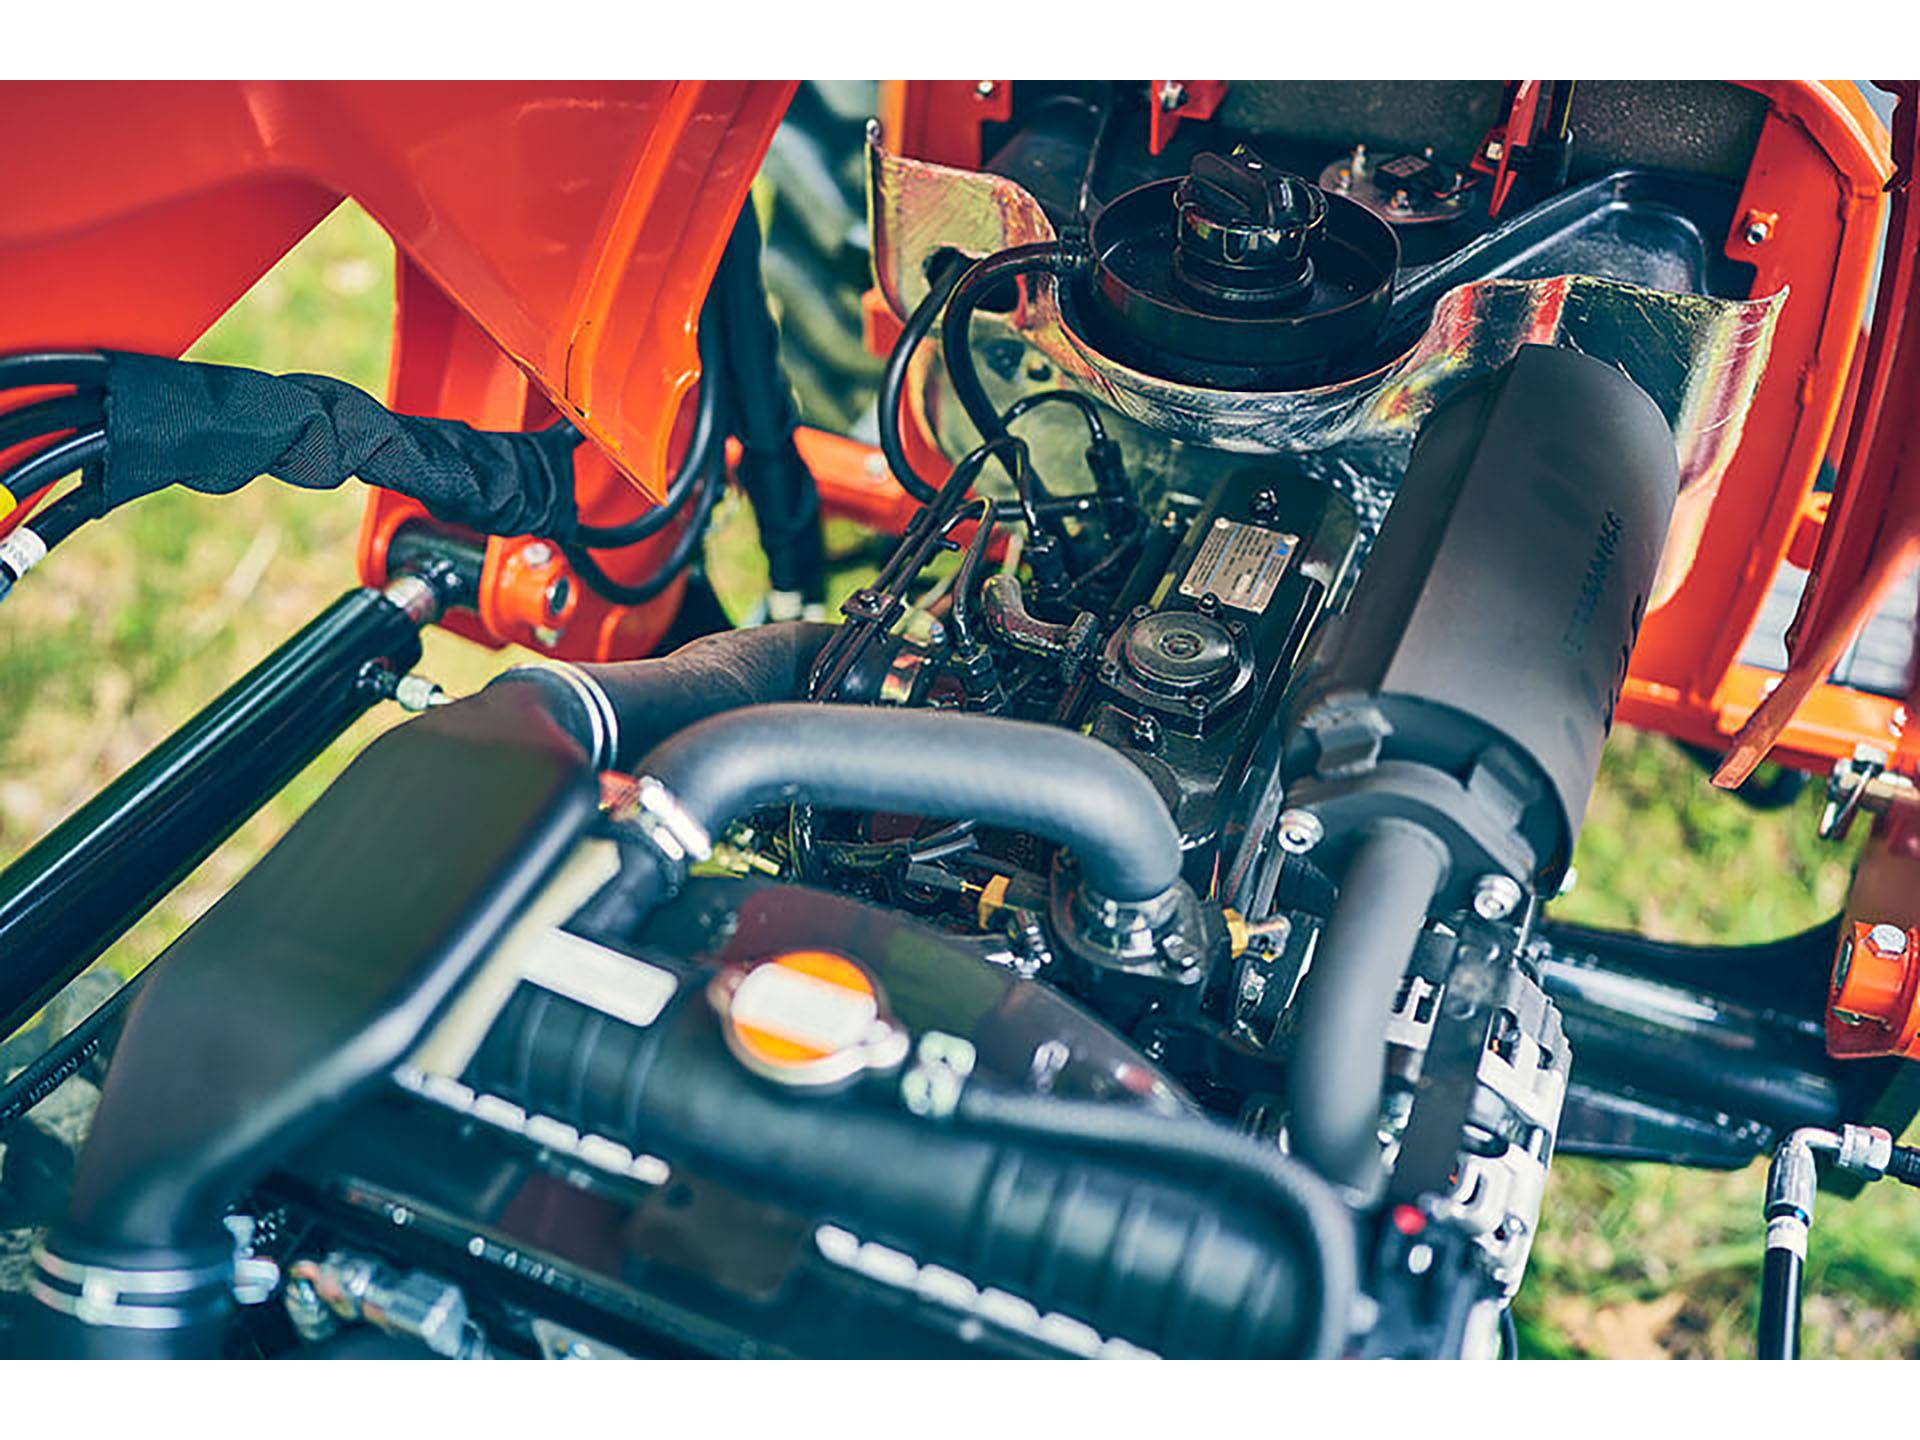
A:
(1873, 1007)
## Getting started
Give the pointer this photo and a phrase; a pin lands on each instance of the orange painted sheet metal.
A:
(556, 240)
(1872, 536)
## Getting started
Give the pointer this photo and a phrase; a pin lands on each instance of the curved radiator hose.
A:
(1065, 787)
(1336, 1073)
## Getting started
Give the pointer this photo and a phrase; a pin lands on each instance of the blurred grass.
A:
(154, 611)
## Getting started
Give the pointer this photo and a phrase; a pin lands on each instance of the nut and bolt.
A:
(1888, 940)
(1146, 732)
(1495, 897)
(1172, 95)
(1757, 232)
(537, 554)
(1300, 831)
(986, 89)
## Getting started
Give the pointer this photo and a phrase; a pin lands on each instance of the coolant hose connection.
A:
(1068, 789)
(1335, 1076)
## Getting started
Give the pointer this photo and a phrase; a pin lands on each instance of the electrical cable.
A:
(1089, 412)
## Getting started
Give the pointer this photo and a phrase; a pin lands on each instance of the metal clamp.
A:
(656, 812)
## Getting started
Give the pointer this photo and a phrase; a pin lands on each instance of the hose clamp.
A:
(122, 1298)
(667, 825)
(603, 722)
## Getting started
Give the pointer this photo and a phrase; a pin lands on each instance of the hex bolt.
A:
(1300, 831)
(1172, 95)
(985, 89)
(536, 554)
(1495, 897)
(1888, 940)
(1757, 232)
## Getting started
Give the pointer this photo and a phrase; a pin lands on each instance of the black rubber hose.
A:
(1089, 412)
(1207, 1151)
(893, 379)
(50, 417)
(677, 559)
(693, 464)
(956, 330)
(63, 457)
(1779, 1333)
(642, 702)
(1339, 1059)
(1064, 787)
(52, 367)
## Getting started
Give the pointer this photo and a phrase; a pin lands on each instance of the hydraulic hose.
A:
(893, 379)
(1066, 788)
(1338, 1063)
(956, 331)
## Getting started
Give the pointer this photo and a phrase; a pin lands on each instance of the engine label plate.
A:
(1239, 564)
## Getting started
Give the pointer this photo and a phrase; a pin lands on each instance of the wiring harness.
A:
(133, 424)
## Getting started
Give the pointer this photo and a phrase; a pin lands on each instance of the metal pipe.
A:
(83, 886)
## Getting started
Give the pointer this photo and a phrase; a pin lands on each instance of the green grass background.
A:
(150, 614)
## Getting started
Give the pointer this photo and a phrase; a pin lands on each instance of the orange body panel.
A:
(557, 240)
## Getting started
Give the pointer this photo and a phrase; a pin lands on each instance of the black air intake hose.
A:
(295, 994)
(1052, 783)
(623, 710)
(1170, 1232)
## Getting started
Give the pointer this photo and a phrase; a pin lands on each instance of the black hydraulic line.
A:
(72, 895)
(1509, 1334)
(1338, 1063)
(694, 463)
(63, 457)
(31, 369)
(685, 547)
(50, 417)
(893, 379)
(764, 416)
(956, 330)
(1089, 412)
(1780, 1275)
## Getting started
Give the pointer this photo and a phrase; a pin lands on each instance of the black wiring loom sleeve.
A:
(213, 428)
